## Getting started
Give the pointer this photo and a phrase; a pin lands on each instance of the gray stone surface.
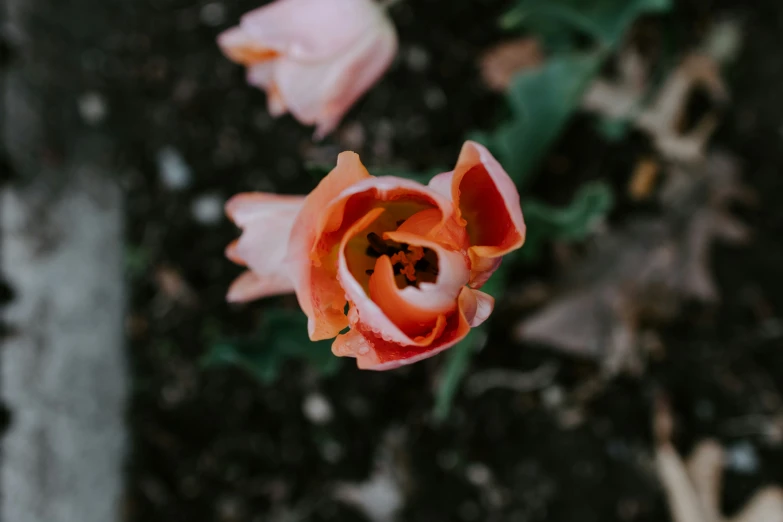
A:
(64, 372)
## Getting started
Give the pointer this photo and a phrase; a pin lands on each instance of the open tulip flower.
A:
(388, 266)
(314, 58)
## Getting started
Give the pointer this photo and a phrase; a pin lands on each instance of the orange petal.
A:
(262, 247)
(312, 31)
(453, 274)
(430, 224)
(324, 222)
(413, 319)
(316, 286)
(488, 206)
(374, 353)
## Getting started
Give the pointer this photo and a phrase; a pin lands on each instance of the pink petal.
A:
(249, 286)
(320, 93)
(249, 207)
(261, 75)
(441, 183)
(312, 30)
(266, 221)
(477, 306)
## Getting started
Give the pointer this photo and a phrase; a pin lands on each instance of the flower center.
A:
(412, 264)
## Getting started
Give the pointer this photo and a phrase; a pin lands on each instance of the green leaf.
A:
(605, 20)
(542, 101)
(317, 170)
(282, 336)
(574, 222)
(458, 357)
(613, 129)
(456, 366)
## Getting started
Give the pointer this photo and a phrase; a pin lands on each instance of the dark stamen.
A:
(400, 222)
(369, 271)
(371, 252)
(422, 265)
(377, 243)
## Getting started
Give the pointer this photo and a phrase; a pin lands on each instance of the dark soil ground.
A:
(215, 445)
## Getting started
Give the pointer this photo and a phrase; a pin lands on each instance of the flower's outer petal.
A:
(261, 75)
(233, 255)
(250, 207)
(483, 268)
(374, 353)
(239, 46)
(441, 183)
(487, 205)
(275, 103)
(357, 77)
(477, 306)
(312, 30)
(266, 221)
(317, 292)
(320, 93)
(249, 286)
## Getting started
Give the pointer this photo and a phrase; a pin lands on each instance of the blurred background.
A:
(645, 138)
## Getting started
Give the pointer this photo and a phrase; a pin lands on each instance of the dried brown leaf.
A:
(173, 288)
(705, 469)
(765, 506)
(641, 273)
(663, 118)
(693, 487)
(621, 98)
(643, 179)
(502, 62)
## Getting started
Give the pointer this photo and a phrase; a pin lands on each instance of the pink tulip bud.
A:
(314, 58)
